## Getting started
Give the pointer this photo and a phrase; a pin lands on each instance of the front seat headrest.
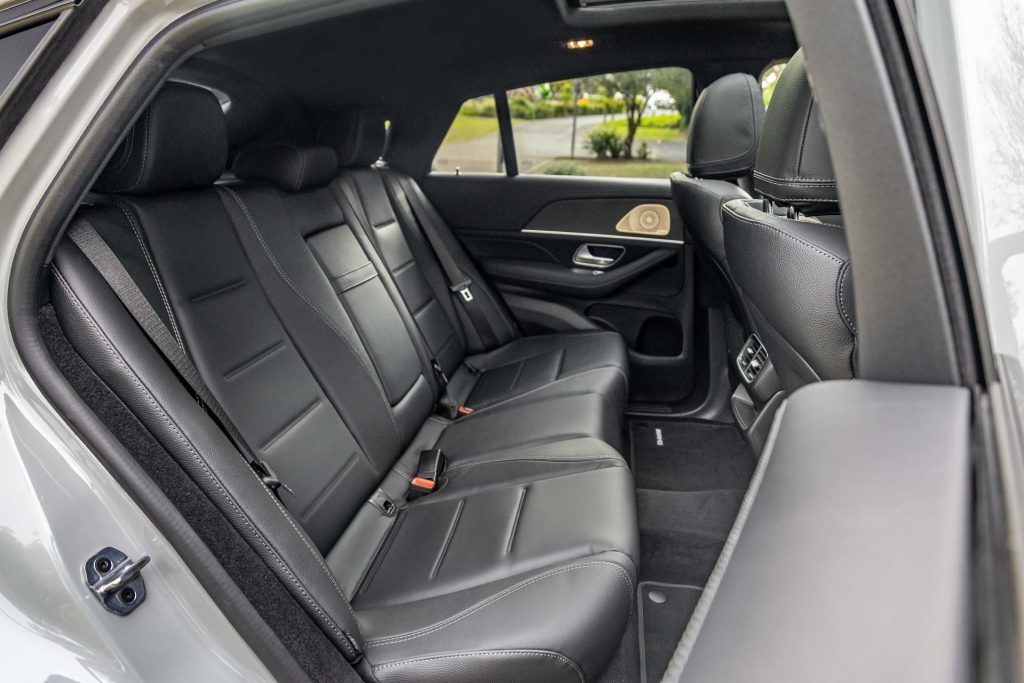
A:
(794, 166)
(179, 142)
(725, 128)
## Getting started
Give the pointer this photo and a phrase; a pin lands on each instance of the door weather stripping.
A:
(116, 580)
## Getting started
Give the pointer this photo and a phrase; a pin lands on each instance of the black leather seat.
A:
(481, 375)
(794, 272)
(521, 566)
(720, 152)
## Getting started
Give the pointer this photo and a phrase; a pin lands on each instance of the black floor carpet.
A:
(691, 477)
(689, 456)
(664, 609)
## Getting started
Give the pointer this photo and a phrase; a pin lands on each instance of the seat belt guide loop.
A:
(463, 289)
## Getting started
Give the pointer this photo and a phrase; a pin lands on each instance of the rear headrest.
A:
(180, 142)
(725, 127)
(357, 136)
(793, 162)
(289, 167)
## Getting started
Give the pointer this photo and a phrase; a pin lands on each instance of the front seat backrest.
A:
(720, 153)
(793, 272)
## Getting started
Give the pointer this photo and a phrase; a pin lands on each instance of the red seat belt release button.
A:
(425, 485)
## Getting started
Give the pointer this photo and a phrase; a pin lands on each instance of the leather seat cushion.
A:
(545, 365)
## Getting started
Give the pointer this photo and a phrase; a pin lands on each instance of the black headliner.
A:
(428, 56)
(454, 49)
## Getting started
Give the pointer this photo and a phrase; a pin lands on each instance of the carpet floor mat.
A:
(691, 477)
(689, 456)
(664, 610)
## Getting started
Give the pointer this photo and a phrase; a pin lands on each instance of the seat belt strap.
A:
(445, 405)
(458, 282)
(110, 268)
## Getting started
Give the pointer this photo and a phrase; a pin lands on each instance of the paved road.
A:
(536, 142)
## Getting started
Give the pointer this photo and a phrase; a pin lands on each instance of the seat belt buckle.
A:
(464, 410)
(428, 473)
(463, 289)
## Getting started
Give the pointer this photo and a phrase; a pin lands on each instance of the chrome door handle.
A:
(598, 255)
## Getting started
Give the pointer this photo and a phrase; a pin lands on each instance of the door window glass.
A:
(627, 124)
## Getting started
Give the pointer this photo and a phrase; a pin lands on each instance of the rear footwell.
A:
(691, 477)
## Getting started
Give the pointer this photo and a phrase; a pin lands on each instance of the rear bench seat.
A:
(294, 298)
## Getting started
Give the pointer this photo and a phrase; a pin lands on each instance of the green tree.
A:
(678, 83)
(635, 88)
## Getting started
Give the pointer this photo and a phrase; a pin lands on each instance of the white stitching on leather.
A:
(509, 399)
(126, 153)
(152, 269)
(145, 154)
(426, 630)
(323, 316)
(241, 514)
(792, 181)
(761, 224)
(539, 458)
(487, 653)
(842, 304)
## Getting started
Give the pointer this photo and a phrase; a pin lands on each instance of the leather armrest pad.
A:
(850, 560)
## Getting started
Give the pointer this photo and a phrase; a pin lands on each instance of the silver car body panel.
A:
(59, 504)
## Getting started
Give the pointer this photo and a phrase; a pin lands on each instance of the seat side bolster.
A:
(115, 348)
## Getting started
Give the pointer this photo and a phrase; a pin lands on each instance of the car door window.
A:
(626, 124)
(473, 143)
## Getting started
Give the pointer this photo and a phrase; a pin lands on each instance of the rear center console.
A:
(758, 396)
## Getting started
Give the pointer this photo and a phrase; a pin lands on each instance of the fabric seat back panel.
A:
(250, 362)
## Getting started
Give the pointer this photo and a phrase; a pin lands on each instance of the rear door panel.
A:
(526, 232)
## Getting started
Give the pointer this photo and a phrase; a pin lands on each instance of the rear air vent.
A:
(752, 358)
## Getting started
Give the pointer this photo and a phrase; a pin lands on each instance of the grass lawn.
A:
(617, 168)
(653, 128)
(470, 127)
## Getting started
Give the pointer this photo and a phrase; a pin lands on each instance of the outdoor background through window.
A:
(770, 78)
(631, 124)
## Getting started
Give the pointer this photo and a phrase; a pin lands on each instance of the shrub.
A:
(564, 168)
(522, 108)
(643, 151)
(605, 142)
(481, 106)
